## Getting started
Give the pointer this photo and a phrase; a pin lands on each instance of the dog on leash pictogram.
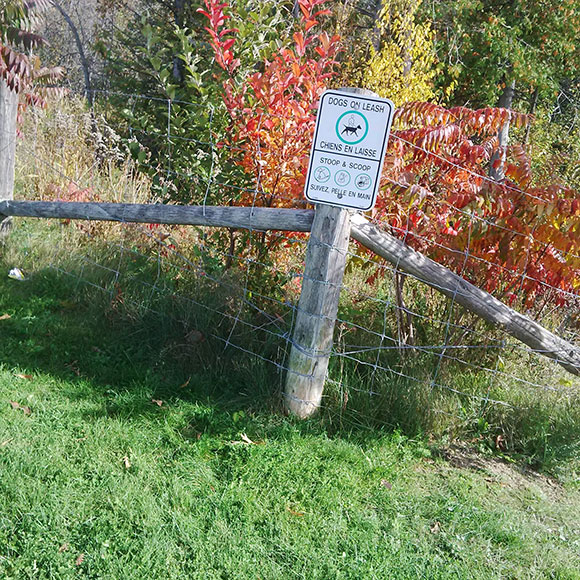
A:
(350, 128)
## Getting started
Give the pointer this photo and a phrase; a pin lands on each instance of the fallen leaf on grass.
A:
(294, 513)
(435, 527)
(16, 274)
(63, 548)
(386, 484)
(80, 559)
(21, 376)
(245, 439)
(158, 402)
(5, 317)
(17, 406)
(126, 462)
(4, 443)
(72, 366)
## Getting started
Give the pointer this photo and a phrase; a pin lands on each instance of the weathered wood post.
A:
(8, 111)
(317, 309)
(318, 305)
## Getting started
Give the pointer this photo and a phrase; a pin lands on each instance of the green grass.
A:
(148, 306)
(138, 490)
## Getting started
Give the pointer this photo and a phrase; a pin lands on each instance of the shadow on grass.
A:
(132, 355)
(133, 362)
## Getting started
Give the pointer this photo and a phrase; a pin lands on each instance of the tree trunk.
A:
(80, 48)
(497, 168)
(532, 110)
(178, 65)
(376, 31)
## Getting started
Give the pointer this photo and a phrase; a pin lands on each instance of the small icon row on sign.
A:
(362, 180)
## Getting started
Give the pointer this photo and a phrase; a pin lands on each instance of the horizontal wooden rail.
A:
(393, 250)
(253, 218)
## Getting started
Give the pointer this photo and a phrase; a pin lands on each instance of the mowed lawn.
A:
(115, 465)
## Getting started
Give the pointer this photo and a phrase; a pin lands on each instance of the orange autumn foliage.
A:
(518, 238)
(273, 112)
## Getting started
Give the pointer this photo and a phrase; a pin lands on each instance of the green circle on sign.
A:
(322, 174)
(342, 178)
(351, 126)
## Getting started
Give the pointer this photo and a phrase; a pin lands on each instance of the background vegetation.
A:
(139, 438)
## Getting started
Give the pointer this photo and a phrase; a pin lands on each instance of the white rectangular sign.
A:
(350, 142)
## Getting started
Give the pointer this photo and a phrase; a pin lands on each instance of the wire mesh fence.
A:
(404, 354)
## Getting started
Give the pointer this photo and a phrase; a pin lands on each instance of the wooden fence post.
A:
(317, 308)
(318, 305)
(8, 112)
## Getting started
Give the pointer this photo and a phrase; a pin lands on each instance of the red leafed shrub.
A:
(516, 238)
(273, 112)
(19, 68)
